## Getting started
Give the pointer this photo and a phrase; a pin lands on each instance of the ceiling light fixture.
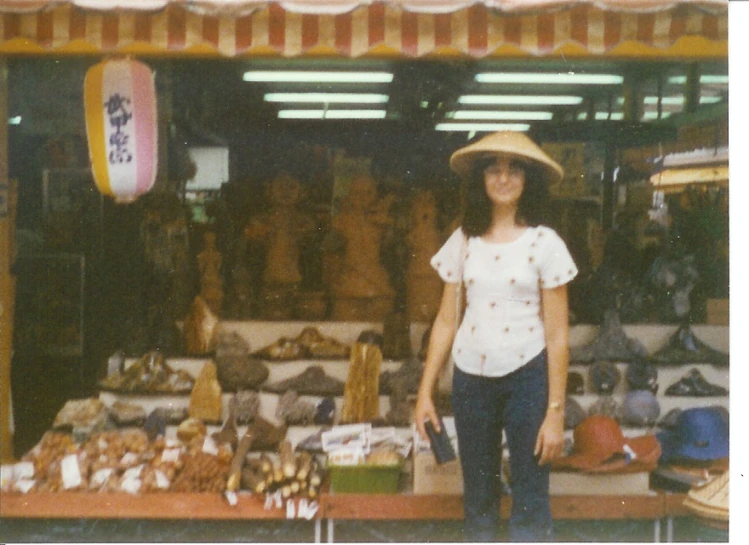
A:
(331, 114)
(308, 76)
(707, 78)
(520, 99)
(482, 127)
(676, 100)
(550, 78)
(500, 115)
(356, 98)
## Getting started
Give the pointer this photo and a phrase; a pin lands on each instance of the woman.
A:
(511, 350)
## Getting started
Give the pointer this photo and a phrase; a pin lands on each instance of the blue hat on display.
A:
(698, 434)
(640, 408)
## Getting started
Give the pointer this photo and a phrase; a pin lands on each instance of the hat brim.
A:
(674, 449)
(510, 143)
(647, 452)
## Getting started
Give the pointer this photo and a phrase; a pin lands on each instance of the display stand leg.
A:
(331, 537)
(669, 529)
(318, 531)
(657, 531)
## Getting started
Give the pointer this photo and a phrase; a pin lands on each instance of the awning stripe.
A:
(476, 31)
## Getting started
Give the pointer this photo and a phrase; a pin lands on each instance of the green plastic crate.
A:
(364, 479)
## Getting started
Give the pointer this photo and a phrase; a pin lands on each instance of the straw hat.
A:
(511, 143)
(710, 500)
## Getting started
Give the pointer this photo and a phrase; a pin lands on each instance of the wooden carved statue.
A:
(281, 231)
(423, 284)
(209, 269)
(362, 290)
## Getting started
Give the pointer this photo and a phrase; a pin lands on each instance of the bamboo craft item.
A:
(361, 398)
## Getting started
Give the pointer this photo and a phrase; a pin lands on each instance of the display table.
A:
(450, 507)
(655, 506)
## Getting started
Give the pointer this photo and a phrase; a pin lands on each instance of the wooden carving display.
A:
(361, 398)
(363, 290)
(280, 232)
(423, 284)
(205, 399)
(209, 268)
(201, 329)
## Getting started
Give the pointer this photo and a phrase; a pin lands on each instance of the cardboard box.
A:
(594, 484)
(431, 478)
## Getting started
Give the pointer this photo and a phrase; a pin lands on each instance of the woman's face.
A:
(504, 181)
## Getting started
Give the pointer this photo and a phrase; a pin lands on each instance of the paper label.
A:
(161, 480)
(347, 456)
(100, 478)
(290, 509)
(129, 459)
(6, 477)
(131, 486)
(24, 485)
(23, 470)
(351, 435)
(231, 497)
(133, 472)
(71, 473)
(170, 455)
(209, 446)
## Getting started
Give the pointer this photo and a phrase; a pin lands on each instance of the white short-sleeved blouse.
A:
(502, 327)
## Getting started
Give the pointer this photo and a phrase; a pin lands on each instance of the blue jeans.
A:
(483, 406)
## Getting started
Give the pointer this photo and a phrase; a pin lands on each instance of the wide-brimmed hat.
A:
(604, 376)
(600, 446)
(700, 433)
(511, 143)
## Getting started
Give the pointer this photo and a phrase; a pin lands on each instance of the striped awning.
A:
(412, 28)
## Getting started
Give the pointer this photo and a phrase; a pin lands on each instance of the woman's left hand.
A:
(550, 440)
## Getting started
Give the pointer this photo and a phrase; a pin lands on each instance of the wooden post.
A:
(7, 282)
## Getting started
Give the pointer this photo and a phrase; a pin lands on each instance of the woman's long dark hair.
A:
(477, 208)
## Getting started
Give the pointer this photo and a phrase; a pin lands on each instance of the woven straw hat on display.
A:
(512, 143)
(710, 500)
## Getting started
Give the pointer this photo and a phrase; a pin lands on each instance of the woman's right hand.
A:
(425, 411)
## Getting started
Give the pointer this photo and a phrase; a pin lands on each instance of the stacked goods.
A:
(149, 375)
(290, 474)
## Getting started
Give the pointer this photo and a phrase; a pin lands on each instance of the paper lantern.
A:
(121, 125)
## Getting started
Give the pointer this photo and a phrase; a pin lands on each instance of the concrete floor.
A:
(164, 531)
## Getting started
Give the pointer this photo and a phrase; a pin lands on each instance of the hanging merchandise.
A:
(121, 125)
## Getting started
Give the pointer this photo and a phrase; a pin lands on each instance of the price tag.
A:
(170, 455)
(129, 459)
(161, 481)
(209, 446)
(231, 497)
(131, 486)
(133, 472)
(71, 473)
(23, 470)
(101, 477)
(24, 485)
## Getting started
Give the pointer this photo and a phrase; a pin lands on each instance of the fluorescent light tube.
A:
(309, 76)
(520, 99)
(550, 78)
(482, 127)
(602, 116)
(15, 120)
(654, 115)
(677, 100)
(500, 115)
(707, 78)
(331, 114)
(360, 98)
